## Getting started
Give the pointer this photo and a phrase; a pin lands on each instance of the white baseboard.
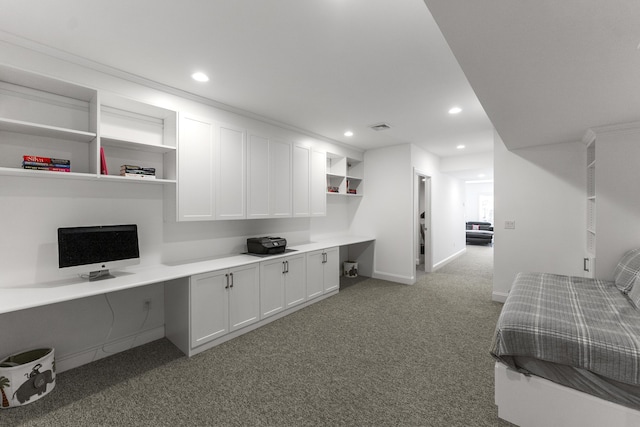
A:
(499, 296)
(405, 280)
(449, 259)
(74, 360)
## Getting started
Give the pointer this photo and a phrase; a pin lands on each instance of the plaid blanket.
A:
(573, 321)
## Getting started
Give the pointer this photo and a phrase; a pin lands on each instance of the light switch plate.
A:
(510, 225)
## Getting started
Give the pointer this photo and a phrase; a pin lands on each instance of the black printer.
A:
(266, 245)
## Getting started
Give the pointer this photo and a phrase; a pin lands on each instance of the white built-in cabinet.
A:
(51, 118)
(231, 152)
(301, 180)
(243, 174)
(196, 165)
(269, 166)
(323, 272)
(222, 302)
(318, 198)
(282, 284)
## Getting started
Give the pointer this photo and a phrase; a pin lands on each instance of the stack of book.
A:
(46, 164)
(137, 172)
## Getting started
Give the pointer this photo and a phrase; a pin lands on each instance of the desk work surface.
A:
(24, 296)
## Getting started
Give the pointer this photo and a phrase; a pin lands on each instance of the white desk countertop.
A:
(38, 294)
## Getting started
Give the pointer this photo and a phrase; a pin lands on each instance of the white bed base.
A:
(530, 401)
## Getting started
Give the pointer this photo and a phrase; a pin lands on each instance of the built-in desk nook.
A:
(211, 301)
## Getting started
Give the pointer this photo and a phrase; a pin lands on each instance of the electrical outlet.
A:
(510, 225)
(146, 305)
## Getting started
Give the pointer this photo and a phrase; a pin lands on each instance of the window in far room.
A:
(485, 207)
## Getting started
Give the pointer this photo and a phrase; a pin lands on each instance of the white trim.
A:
(405, 280)
(449, 259)
(499, 296)
(70, 361)
(530, 401)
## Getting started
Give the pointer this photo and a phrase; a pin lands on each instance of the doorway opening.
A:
(422, 224)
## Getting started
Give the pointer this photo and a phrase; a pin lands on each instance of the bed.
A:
(572, 346)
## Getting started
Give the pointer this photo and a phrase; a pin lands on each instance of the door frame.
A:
(428, 243)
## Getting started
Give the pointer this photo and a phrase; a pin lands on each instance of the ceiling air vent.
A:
(380, 126)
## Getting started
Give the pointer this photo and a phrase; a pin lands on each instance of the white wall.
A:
(387, 211)
(542, 189)
(447, 208)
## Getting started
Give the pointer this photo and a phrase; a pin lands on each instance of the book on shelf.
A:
(46, 168)
(25, 163)
(103, 163)
(131, 170)
(138, 175)
(46, 163)
(47, 160)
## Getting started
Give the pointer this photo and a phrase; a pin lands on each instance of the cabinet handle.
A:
(231, 275)
(227, 276)
(324, 257)
(285, 265)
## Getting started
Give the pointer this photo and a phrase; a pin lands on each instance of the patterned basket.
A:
(26, 377)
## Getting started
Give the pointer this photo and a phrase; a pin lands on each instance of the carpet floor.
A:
(376, 354)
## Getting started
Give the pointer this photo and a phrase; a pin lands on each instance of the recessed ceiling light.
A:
(348, 133)
(200, 77)
(460, 147)
(455, 110)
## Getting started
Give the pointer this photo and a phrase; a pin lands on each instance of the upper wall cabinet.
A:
(318, 200)
(211, 170)
(268, 177)
(61, 128)
(301, 180)
(196, 165)
(230, 178)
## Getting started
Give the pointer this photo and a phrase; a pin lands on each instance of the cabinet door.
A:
(244, 296)
(230, 177)
(318, 183)
(209, 307)
(331, 269)
(271, 287)
(195, 187)
(315, 273)
(280, 187)
(257, 177)
(301, 170)
(295, 280)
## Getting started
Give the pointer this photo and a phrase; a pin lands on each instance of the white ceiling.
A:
(325, 66)
(547, 70)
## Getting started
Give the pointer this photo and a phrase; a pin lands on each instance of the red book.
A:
(103, 163)
(46, 160)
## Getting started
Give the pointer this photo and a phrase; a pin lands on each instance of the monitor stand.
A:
(100, 275)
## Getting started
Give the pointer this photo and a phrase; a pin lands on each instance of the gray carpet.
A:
(376, 354)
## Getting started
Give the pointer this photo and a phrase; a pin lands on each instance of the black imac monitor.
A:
(92, 251)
